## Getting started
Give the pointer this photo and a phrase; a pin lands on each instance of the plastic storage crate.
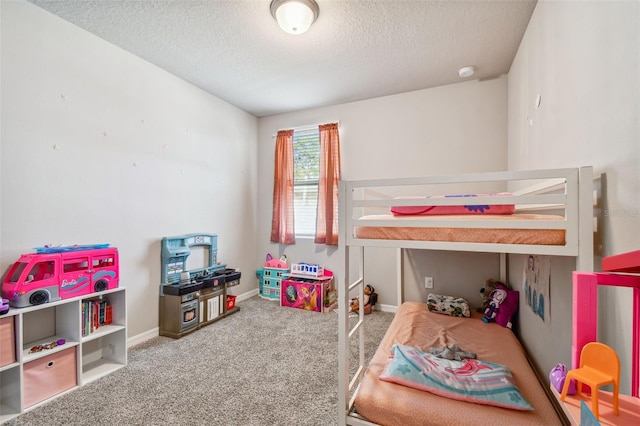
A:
(231, 302)
(7, 341)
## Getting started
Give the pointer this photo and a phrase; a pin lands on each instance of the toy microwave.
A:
(54, 273)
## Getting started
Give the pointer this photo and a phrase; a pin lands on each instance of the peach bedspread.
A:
(463, 235)
(387, 403)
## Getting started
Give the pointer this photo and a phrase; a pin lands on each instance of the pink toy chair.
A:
(599, 366)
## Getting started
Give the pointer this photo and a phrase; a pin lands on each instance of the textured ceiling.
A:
(356, 49)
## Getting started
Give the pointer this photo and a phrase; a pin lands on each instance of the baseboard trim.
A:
(143, 337)
(155, 332)
(386, 308)
(248, 294)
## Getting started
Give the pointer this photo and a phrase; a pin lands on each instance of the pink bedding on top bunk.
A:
(447, 210)
(409, 231)
(390, 404)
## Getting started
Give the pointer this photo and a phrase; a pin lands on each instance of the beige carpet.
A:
(264, 365)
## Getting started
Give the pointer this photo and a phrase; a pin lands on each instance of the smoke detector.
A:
(465, 72)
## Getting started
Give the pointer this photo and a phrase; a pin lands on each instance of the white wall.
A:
(177, 160)
(583, 59)
(140, 155)
(446, 130)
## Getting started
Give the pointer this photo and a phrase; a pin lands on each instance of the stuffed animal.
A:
(496, 297)
(354, 304)
(489, 286)
(503, 305)
(370, 299)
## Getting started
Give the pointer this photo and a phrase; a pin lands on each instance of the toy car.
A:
(61, 272)
(4, 306)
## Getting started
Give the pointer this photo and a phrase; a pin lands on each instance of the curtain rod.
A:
(307, 127)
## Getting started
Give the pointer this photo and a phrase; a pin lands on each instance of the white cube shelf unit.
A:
(98, 353)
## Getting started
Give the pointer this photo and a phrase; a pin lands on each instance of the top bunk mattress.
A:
(402, 228)
(392, 404)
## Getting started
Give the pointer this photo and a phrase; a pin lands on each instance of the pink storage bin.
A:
(49, 375)
(7, 341)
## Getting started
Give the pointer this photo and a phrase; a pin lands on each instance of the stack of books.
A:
(95, 313)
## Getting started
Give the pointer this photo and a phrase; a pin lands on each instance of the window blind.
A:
(306, 166)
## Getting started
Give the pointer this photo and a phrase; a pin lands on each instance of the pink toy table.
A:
(621, 270)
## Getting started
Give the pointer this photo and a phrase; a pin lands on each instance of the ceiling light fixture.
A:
(465, 72)
(295, 16)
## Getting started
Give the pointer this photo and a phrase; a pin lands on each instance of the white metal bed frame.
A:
(569, 190)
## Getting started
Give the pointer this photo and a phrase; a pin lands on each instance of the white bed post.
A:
(504, 272)
(400, 275)
(360, 324)
(584, 261)
(343, 306)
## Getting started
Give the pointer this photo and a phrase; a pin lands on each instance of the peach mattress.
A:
(463, 235)
(388, 403)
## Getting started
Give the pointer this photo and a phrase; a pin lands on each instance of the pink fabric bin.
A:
(49, 375)
(7, 342)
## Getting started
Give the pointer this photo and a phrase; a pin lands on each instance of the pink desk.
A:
(621, 270)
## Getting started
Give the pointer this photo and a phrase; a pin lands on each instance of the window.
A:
(103, 261)
(75, 265)
(41, 271)
(19, 267)
(306, 173)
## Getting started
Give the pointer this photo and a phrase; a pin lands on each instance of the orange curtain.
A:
(282, 219)
(327, 214)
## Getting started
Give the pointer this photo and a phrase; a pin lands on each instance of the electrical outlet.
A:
(428, 282)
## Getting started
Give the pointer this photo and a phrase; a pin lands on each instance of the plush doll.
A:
(503, 304)
(485, 291)
(496, 297)
(370, 299)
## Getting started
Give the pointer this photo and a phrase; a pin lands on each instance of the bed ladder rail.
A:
(347, 384)
(359, 329)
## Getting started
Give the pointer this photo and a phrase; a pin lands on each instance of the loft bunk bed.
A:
(549, 212)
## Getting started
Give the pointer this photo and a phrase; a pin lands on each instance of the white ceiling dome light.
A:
(295, 16)
(465, 72)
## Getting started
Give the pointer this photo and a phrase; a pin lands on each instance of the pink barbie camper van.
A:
(54, 273)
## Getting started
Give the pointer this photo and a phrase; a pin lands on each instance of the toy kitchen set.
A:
(192, 299)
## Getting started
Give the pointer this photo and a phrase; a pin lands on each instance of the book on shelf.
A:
(95, 313)
(107, 315)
